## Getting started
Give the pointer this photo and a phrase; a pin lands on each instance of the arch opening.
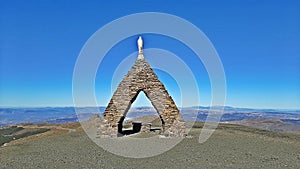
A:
(140, 116)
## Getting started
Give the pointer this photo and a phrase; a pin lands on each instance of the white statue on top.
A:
(140, 46)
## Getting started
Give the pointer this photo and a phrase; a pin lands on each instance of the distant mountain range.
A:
(58, 115)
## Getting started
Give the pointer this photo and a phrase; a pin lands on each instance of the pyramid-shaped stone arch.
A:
(141, 78)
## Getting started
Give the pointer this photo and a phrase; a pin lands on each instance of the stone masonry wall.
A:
(141, 78)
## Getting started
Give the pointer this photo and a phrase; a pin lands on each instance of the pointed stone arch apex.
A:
(141, 78)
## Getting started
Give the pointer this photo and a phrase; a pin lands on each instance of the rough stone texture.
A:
(146, 127)
(141, 77)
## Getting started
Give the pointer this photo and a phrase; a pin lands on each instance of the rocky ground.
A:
(231, 146)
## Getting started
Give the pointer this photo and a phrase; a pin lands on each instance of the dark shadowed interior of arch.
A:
(139, 112)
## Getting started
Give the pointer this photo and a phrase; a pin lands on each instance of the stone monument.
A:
(141, 78)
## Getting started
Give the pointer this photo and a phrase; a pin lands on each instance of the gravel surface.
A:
(233, 147)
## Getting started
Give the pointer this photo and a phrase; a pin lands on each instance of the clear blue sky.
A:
(257, 41)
